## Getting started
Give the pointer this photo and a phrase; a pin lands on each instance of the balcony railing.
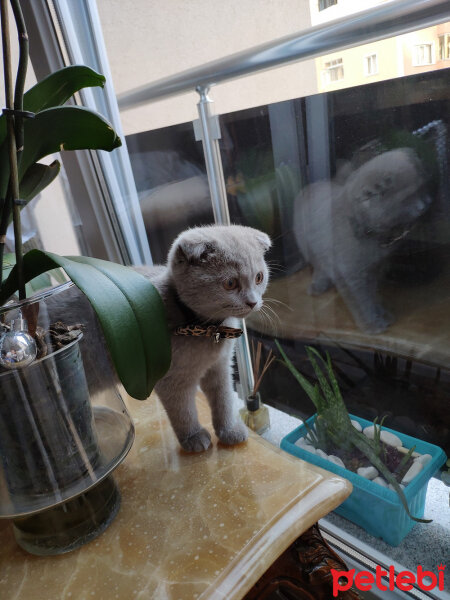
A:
(387, 20)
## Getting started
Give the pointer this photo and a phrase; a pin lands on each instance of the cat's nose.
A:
(251, 304)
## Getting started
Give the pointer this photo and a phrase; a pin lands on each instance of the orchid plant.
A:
(36, 124)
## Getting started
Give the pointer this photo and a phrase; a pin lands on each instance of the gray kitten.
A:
(214, 275)
(346, 228)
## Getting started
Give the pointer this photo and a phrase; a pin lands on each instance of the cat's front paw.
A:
(198, 442)
(236, 434)
(380, 321)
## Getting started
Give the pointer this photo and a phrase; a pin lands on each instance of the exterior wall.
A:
(396, 57)
(353, 65)
(430, 36)
(147, 40)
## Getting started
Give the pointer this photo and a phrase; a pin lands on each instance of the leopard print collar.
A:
(196, 328)
(216, 332)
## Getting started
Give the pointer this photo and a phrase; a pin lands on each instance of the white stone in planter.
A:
(367, 472)
(357, 425)
(368, 431)
(322, 454)
(423, 459)
(302, 443)
(413, 470)
(380, 481)
(385, 436)
(336, 460)
(390, 438)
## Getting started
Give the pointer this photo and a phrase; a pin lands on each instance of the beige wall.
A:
(431, 36)
(147, 40)
(394, 55)
(353, 64)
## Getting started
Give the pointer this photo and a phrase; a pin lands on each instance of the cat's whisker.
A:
(275, 316)
(280, 302)
(264, 320)
(272, 325)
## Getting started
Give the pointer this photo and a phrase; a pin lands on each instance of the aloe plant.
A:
(128, 306)
(333, 416)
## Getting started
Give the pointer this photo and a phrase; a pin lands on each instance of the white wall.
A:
(147, 40)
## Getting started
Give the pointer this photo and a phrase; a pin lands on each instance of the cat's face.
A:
(387, 194)
(220, 271)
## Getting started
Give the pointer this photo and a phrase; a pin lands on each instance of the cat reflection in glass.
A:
(346, 228)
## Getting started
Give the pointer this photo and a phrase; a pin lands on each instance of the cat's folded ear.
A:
(263, 239)
(191, 251)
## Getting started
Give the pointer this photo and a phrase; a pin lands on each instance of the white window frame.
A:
(417, 63)
(334, 65)
(446, 38)
(102, 183)
(367, 62)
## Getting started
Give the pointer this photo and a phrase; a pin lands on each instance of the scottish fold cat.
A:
(214, 275)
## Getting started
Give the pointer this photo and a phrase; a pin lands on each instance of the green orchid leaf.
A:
(56, 89)
(129, 308)
(38, 283)
(61, 128)
(59, 86)
(37, 178)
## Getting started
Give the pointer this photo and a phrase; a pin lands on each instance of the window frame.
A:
(326, 70)
(108, 232)
(366, 62)
(324, 4)
(414, 57)
(445, 46)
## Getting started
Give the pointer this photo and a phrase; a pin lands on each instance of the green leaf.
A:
(129, 308)
(59, 86)
(38, 283)
(326, 389)
(55, 129)
(56, 89)
(307, 387)
(37, 178)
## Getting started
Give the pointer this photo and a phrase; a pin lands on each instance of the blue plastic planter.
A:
(376, 509)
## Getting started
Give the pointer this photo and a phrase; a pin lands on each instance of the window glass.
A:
(352, 187)
(370, 64)
(333, 70)
(423, 54)
(323, 4)
(444, 47)
(349, 177)
(50, 221)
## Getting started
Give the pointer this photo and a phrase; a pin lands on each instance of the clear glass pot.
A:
(63, 429)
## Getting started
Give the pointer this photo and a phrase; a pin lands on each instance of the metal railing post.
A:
(209, 133)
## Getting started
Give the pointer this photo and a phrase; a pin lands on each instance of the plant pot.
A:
(59, 444)
(376, 509)
(48, 439)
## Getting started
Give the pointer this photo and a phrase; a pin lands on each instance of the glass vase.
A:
(63, 430)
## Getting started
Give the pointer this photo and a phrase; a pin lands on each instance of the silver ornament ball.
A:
(17, 347)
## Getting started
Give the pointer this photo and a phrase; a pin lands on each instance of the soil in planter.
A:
(390, 456)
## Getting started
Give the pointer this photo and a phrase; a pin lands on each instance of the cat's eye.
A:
(259, 277)
(230, 284)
